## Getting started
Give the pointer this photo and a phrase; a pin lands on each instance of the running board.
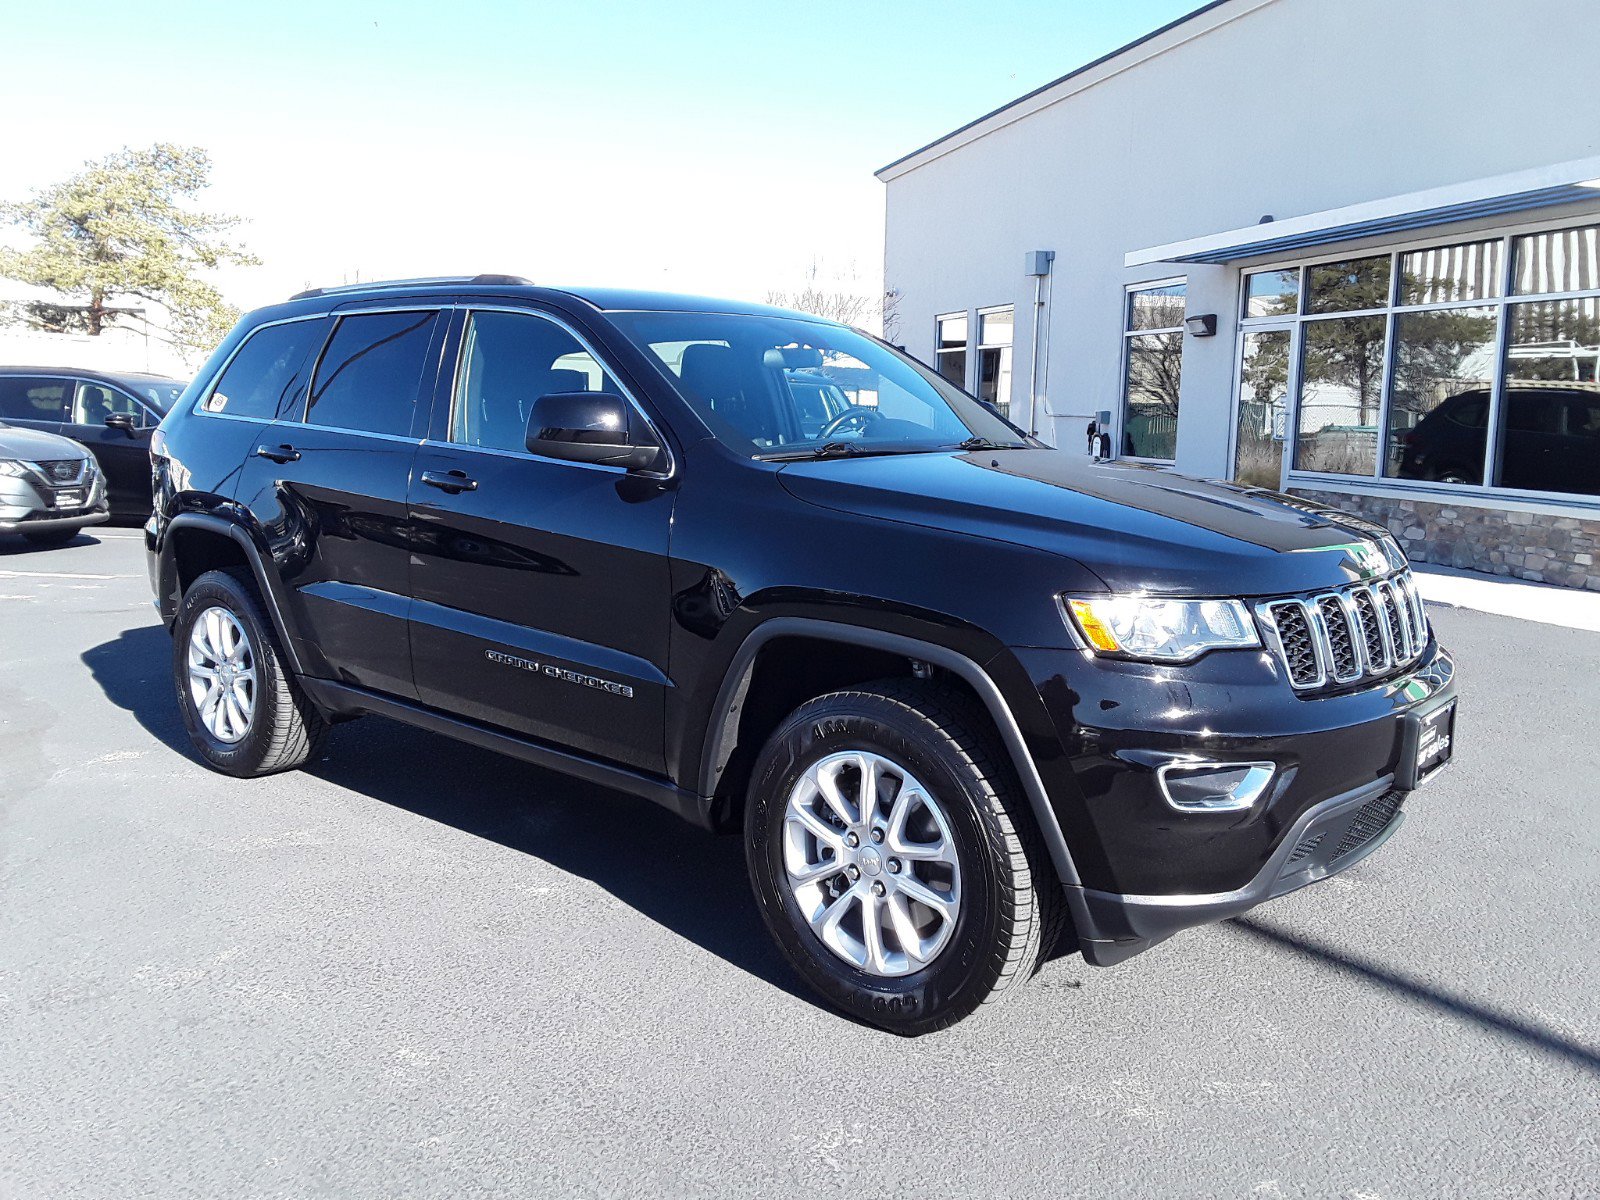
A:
(343, 700)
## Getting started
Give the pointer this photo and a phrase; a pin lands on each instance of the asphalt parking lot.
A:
(418, 969)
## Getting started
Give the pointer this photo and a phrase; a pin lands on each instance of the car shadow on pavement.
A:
(135, 672)
(1420, 992)
(689, 881)
(15, 543)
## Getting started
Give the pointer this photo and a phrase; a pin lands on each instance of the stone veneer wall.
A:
(1534, 546)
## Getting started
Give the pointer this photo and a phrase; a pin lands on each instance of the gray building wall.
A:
(1255, 107)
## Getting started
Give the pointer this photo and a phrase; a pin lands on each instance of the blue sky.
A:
(718, 147)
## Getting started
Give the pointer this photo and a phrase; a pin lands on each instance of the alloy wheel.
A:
(222, 674)
(871, 863)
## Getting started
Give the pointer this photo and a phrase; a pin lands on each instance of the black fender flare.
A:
(722, 728)
(265, 581)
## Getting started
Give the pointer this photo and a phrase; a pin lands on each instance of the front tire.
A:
(245, 713)
(893, 858)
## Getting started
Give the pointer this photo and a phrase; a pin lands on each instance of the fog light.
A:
(1201, 786)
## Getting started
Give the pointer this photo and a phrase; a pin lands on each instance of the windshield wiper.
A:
(835, 450)
(847, 450)
(983, 443)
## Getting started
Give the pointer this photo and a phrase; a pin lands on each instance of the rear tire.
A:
(47, 539)
(225, 650)
(998, 894)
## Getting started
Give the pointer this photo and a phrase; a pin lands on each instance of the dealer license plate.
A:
(1435, 740)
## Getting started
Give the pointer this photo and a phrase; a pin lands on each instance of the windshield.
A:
(781, 387)
(161, 396)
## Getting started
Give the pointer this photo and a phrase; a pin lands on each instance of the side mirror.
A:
(122, 421)
(588, 427)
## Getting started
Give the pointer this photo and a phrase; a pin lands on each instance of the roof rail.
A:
(378, 285)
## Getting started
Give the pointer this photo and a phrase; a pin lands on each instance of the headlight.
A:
(10, 466)
(1158, 629)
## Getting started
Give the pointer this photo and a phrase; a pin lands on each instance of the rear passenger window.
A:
(369, 373)
(509, 360)
(268, 374)
(24, 399)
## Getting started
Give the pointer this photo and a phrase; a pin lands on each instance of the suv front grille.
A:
(62, 470)
(1350, 635)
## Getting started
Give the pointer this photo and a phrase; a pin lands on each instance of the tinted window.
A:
(370, 371)
(509, 360)
(24, 399)
(94, 402)
(1472, 413)
(269, 372)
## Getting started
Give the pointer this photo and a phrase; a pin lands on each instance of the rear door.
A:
(124, 454)
(327, 486)
(35, 401)
(541, 587)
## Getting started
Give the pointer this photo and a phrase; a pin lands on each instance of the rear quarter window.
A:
(268, 374)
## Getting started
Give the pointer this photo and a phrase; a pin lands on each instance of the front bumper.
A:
(1328, 838)
(1147, 870)
(29, 508)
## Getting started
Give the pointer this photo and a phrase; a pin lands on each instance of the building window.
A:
(1263, 408)
(994, 357)
(1471, 365)
(950, 347)
(1152, 371)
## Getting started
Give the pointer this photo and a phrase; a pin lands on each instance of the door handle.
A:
(279, 454)
(450, 481)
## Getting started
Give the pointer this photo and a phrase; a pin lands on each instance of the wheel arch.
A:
(193, 543)
(722, 734)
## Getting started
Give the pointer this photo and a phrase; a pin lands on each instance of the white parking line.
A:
(58, 575)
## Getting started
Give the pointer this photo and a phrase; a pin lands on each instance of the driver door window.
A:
(94, 402)
(509, 360)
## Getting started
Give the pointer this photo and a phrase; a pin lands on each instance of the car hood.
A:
(1138, 528)
(33, 444)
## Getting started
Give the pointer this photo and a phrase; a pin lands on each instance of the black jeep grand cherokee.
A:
(960, 691)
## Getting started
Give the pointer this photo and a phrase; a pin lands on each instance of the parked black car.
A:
(113, 414)
(960, 691)
(1551, 444)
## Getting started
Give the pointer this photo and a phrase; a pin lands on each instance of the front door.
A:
(541, 591)
(122, 451)
(327, 484)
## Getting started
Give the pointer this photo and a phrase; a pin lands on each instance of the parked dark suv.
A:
(111, 414)
(961, 692)
(1551, 442)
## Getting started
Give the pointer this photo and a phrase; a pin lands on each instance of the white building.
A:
(1379, 221)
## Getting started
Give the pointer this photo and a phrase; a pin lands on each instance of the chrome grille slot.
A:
(1352, 634)
(1419, 616)
(1292, 620)
(1344, 662)
(1399, 634)
(1366, 610)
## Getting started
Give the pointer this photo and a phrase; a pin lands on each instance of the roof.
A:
(602, 299)
(1039, 92)
(90, 373)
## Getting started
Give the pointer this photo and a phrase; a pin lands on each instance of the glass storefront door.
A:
(1261, 420)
